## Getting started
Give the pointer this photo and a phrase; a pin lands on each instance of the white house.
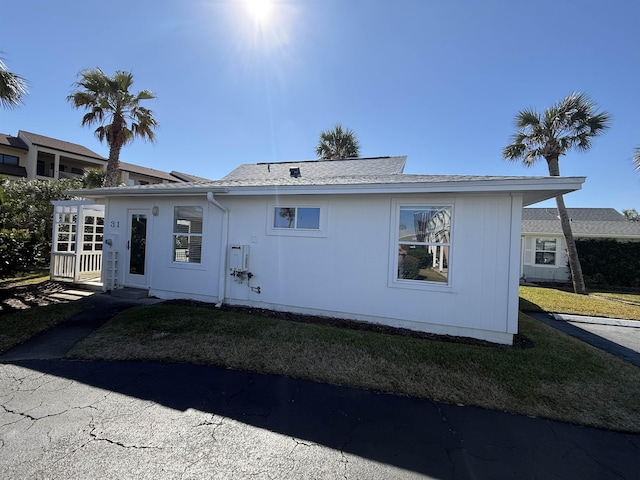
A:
(354, 239)
(544, 250)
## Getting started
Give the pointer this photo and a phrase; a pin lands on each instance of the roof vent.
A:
(295, 172)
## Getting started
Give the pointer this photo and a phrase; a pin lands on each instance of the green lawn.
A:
(559, 377)
(599, 304)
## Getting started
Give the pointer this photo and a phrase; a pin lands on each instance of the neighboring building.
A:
(354, 239)
(544, 256)
(31, 156)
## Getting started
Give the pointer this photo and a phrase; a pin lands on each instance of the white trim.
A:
(297, 232)
(392, 280)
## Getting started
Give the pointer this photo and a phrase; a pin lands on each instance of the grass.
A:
(20, 325)
(559, 378)
(35, 276)
(599, 304)
(17, 326)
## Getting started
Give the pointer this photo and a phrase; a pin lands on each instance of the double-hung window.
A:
(423, 243)
(546, 250)
(187, 234)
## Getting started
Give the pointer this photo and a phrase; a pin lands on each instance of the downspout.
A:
(222, 281)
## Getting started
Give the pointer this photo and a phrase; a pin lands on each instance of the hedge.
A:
(20, 251)
(609, 263)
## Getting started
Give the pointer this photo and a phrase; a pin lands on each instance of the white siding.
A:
(346, 272)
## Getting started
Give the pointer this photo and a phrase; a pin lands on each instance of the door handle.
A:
(127, 244)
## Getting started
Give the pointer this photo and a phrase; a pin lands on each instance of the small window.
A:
(423, 244)
(546, 249)
(187, 234)
(300, 218)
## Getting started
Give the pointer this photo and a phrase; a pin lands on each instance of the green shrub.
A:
(411, 267)
(20, 251)
(609, 263)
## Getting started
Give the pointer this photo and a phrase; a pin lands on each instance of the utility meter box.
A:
(239, 258)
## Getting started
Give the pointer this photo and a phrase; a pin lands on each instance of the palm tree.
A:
(13, 87)
(570, 123)
(93, 177)
(631, 214)
(337, 143)
(118, 112)
(636, 158)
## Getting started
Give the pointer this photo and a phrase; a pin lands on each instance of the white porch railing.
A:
(63, 266)
(69, 266)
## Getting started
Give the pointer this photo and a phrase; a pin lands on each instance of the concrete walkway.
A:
(616, 336)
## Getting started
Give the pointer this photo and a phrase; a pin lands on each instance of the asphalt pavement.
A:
(64, 419)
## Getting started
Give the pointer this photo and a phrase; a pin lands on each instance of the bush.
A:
(609, 263)
(411, 267)
(20, 251)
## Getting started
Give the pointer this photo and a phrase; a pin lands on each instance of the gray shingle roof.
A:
(15, 142)
(149, 172)
(585, 222)
(319, 169)
(61, 145)
(187, 177)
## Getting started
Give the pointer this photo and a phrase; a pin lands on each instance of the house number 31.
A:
(115, 224)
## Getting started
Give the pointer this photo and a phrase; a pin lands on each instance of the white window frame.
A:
(174, 234)
(296, 232)
(535, 251)
(393, 280)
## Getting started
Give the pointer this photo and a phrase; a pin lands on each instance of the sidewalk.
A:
(616, 336)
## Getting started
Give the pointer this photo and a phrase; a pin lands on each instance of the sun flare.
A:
(260, 10)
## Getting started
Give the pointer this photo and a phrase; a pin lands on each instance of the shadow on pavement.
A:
(438, 440)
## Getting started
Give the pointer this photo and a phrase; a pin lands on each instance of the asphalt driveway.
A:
(122, 420)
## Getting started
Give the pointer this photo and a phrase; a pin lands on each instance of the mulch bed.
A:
(519, 341)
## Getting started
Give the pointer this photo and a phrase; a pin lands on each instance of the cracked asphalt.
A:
(62, 419)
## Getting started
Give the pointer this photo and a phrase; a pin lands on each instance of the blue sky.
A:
(438, 81)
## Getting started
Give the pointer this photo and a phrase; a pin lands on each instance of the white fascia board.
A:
(533, 189)
(149, 192)
(545, 187)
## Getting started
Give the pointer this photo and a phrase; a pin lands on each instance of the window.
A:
(9, 159)
(306, 218)
(546, 249)
(297, 220)
(187, 234)
(423, 242)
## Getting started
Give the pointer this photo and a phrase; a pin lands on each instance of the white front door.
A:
(136, 248)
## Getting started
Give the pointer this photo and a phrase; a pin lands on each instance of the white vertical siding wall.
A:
(346, 273)
(165, 278)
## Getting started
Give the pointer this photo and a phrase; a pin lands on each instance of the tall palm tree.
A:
(337, 143)
(570, 123)
(636, 158)
(117, 111)
(13, 87)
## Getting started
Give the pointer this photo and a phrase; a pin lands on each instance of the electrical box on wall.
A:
(239, 258)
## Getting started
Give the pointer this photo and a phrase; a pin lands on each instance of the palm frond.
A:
(109, 102)
(13, 88)
(570, 123)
